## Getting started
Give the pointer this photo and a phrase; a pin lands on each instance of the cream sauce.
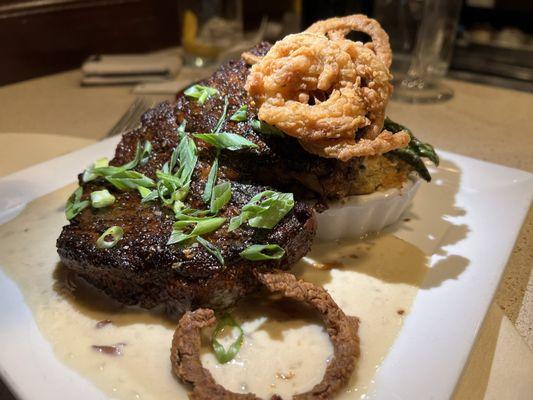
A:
(286, 348)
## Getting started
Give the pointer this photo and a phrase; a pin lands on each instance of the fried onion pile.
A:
(328, 91)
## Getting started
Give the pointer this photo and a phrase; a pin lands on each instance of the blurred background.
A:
(493, 38)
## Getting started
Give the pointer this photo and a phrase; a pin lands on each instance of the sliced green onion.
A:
(116, 232)
(190, 214)
(147, 194)
(264, 210)
(112, 170)
(211, 179)
(187, 157)
(199, 227)
(74, 204)
(266, 129)
(240, 114)
(226, 140)
(178, 207)
(166, 194)
(101, 167)
(223, 355)
(102, 198)
(260, 252)
(175, 186)
(168, 179)
(211, 249)
(222, 116)
(89, 174)
(221, 195)
(145, 154)
(127, 180)
(181, 128)
(200, 93)
(181, 193)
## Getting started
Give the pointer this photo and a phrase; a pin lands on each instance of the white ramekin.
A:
(355, 216)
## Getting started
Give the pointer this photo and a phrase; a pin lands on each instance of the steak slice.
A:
(141, 269)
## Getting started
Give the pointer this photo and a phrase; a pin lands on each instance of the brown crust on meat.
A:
(342, 330)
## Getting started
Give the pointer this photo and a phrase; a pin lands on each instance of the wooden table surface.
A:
(483, 122)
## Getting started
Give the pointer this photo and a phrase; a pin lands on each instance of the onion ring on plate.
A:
(185, 352)
(338, 28)
(314, 88)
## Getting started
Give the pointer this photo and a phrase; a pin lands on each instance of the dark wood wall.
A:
(39, 37)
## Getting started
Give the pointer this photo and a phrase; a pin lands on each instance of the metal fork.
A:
(132, 117)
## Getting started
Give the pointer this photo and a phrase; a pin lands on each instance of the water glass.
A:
(209, 28)
(422, 34)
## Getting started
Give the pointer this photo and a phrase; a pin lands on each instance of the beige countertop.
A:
(483, 122)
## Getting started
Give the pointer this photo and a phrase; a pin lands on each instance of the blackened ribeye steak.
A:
(141, 269)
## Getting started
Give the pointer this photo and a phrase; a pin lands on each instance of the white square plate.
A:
(466, 220)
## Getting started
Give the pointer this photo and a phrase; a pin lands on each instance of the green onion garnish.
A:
(145, 154)
(264, 210)
(200, 93)
(116, 232)
(102, 198)
(127, 180)
(221, 195)
(178, 206)
(89, 174)
(211, 179)
(226, 140)
(211, 249)
(266, 129)
(199, 225)
(147, 194)
(75, 205)
(240, 114)
(101, 168)
(181, 129)
(260, 252)
(223, 355)
(172, 185)
(222, 116)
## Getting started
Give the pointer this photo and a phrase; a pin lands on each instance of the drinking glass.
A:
(208, 28)
(422, 33)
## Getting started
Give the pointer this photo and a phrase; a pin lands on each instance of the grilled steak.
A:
(142, 269)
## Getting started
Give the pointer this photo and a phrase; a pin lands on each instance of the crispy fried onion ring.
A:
(338, 28)
(344, 81)
(346, 149)
(342, 330)
(330, 93)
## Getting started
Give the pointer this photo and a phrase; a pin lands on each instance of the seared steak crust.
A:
(142, 269)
